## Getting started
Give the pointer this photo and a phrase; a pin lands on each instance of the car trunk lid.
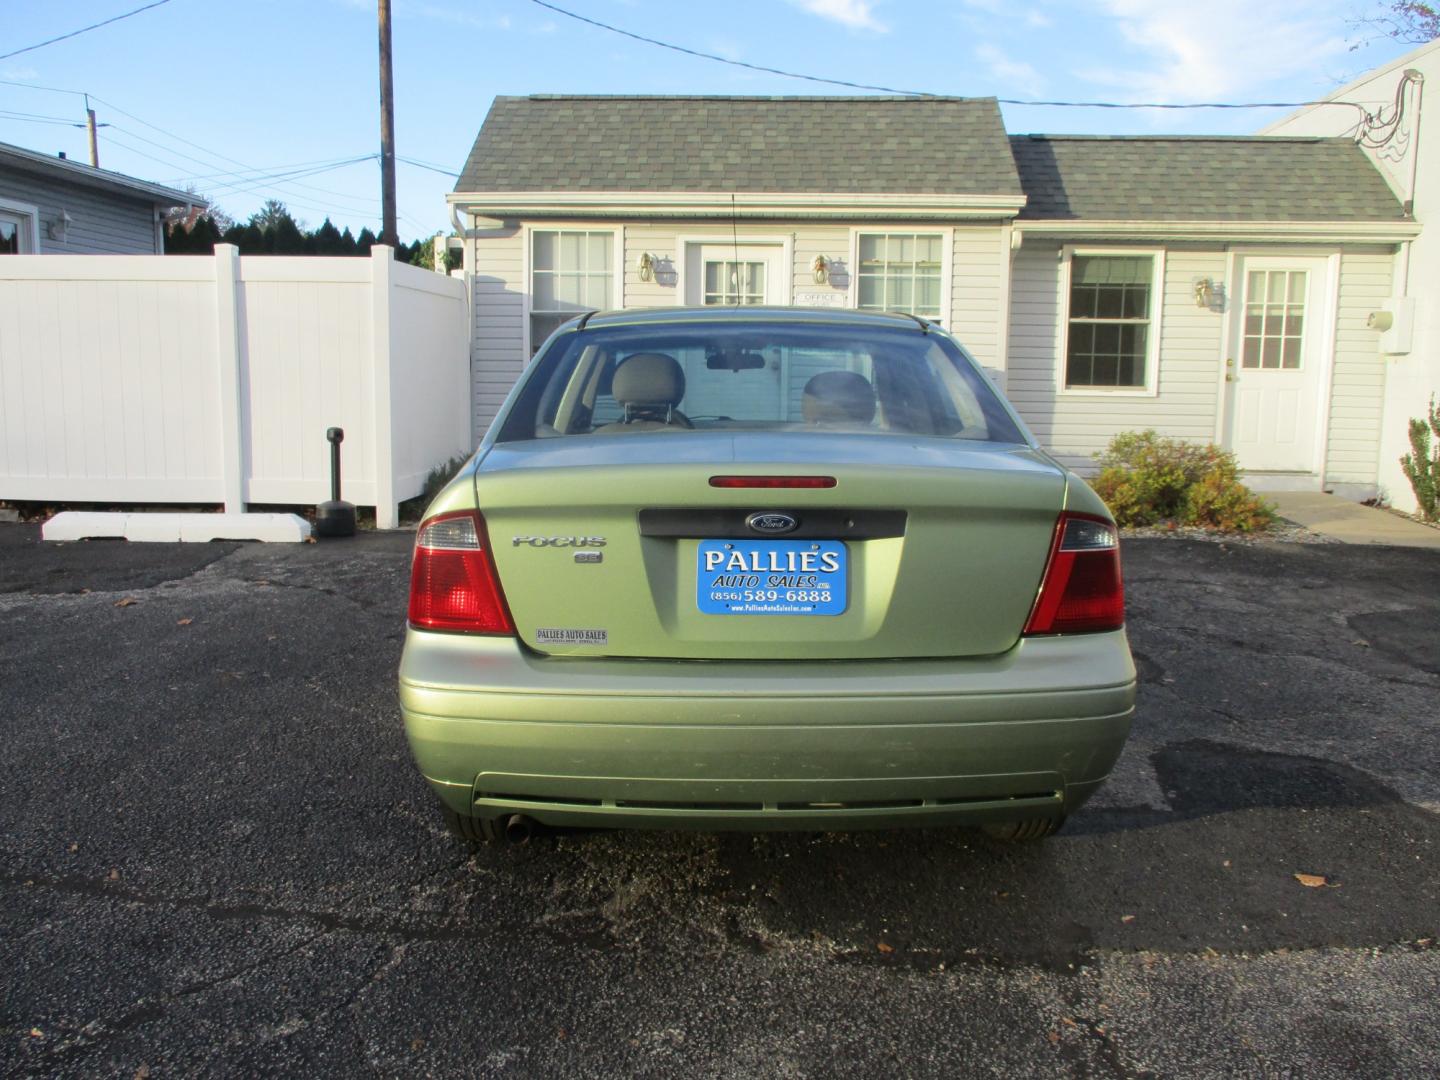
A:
(601, 544)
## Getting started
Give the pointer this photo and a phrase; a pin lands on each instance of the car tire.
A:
(1019, 832)
(473, 829)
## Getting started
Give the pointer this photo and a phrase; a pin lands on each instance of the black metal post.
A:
(336, 517)
(336, 436)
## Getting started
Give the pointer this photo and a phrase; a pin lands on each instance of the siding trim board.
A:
(1231, 232)
(640, 205)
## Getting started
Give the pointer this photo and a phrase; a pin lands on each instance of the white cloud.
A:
(23, 74)
(1008, 9)
(1217, 50)
(729, 48)
(461, 18)
(1015, 75)
(855, 14)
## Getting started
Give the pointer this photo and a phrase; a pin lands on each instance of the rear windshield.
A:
(628, 381)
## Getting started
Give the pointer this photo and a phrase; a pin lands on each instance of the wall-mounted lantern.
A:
(59, 229)
(820, 268)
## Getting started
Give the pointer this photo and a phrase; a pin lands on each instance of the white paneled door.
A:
(734, 275)
(1274, 365)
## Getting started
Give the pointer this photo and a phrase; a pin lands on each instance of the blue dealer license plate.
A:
(771, 577)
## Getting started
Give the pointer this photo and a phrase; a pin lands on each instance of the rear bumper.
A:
(497, 731)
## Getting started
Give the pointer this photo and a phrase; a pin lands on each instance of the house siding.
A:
(978, 257)
(1357, 397)
(659, 241)
(497, 351)
(1075, 427)
(834, 243)
(101, 222)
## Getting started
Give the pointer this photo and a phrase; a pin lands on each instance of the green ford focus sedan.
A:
(763, 568)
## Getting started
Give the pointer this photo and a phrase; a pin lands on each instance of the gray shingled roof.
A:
(864, 145)
(1203, 178)
(44, 164)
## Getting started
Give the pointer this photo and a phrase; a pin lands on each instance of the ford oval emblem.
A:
(772, 524)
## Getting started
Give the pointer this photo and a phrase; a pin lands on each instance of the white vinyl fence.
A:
(190, 379)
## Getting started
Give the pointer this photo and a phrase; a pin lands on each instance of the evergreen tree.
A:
(285, 237)
(327, 239)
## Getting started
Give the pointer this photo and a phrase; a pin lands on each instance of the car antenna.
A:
(735, 247)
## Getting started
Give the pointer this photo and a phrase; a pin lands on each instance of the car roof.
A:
(752, 313)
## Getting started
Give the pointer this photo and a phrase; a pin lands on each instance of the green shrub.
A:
(441, 475)
(1147, 479)
(1422, 464)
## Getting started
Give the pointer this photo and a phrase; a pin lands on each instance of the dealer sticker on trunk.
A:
(771, 577)
(572, 637)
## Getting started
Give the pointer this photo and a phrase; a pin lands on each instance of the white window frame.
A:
(947, 262)
(29, 215)
(1152, 342)
(527, 258)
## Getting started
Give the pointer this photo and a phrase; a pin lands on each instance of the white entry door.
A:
(731, 275)
(1274, 366)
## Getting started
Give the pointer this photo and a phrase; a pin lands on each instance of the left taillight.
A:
(453, 583)
(1082, 591)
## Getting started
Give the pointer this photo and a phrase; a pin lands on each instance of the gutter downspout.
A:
(1402, 263)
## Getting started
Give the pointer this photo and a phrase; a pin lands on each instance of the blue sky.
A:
(224, 93)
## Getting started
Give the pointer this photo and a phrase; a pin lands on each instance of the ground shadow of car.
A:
(1217, 870)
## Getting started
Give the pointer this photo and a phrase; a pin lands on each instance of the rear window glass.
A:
(628, 381)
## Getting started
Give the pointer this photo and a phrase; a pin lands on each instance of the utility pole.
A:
(94, 138)
(387, 134)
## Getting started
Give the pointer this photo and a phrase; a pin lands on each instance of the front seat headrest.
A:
(652, 379)
(838, 397)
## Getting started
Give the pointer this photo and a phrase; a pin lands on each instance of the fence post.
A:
(382, 267)
(227, 352)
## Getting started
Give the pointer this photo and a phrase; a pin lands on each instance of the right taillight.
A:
(1082, 591)
(453, 584)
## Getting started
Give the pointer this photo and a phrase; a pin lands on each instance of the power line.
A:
(235, 173)
(280, 187)
(37, 116)
(430, 164)
(224, 157)
(83, 30)
(27, 119)
(722, 59)
(297, 203)
(268, 169)
(37, 86)
(428, 168)
(926, 93)
(259, 183)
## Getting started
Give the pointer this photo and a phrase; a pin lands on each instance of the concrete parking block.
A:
(78, 525)
(173, 528)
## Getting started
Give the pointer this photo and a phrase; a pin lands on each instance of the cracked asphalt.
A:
(218, 859)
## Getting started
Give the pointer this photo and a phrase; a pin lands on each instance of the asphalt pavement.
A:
(219, 860)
